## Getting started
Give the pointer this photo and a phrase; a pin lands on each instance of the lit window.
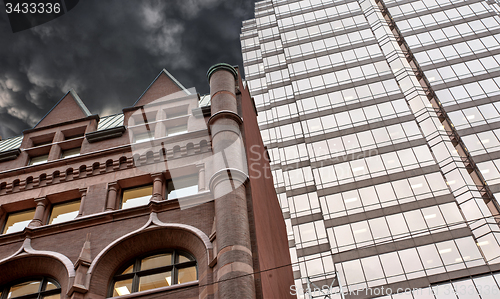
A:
(64, 212)
(143, 137)
(135, 197)
(154, 271)
(43, 288)
(16, 222)
(182, 186)
(70, 153)
(39, 159)
(176, 130)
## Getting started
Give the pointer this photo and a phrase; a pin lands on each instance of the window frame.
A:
(123, 190)
(136, 274)
(39, 294)
(30, 161)
(194, 176)
(67, 156)
(6, 218)
(49, 216)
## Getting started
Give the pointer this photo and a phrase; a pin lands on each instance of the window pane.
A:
(39, 159)
(70, 153)
(186, 274)
(123, 287)
(142, 137)
(155, 281)
(391, 264)
(156, 261)
(171, 131)
(50, 286)
(172, 113)
(16, 222)
(136, 196)
(182, 186)
(183, 259)
(129, 269)
(56, 296)
(372, 268)
(64, 212)
(25, 288)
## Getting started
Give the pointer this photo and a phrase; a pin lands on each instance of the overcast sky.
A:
(110, 51)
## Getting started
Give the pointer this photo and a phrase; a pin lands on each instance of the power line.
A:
(297, 263)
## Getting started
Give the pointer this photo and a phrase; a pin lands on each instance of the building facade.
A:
(168, 199)
(381, 120)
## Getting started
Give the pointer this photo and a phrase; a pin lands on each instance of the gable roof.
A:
(164, 84)
(69, 107)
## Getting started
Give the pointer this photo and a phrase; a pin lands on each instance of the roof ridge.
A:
(78, 101)
(176, 82)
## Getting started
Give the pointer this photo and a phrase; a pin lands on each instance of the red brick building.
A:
(171, 199)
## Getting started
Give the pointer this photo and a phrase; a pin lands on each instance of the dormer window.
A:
(39, 159)
(176, 112)
(143, 137)
(73, 136)
(70, 153)
(177, 130)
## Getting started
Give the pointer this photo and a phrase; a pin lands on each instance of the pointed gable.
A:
(163, 85)
(70, 107)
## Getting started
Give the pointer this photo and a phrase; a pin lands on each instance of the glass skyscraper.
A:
(382, 122)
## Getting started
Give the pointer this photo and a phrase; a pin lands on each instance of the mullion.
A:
(41, 291)
(137, 273)
(155, 270)
(50, 292)
(32, 295)
(135, 279)
(124, 276)
(175, 259)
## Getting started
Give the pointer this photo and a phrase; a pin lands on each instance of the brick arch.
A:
(28, 262)
(35, 265)
(155, 235)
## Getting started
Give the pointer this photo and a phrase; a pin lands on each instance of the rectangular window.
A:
(176, 113)
(176, 130)
(64, 212)
(138, 196)
(182, 186)
(38, 159)
(143, 137)
(74, 136)
(16, 222)
(70, 153)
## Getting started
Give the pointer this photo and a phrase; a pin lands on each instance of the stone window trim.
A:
(5, 218)
(154, 236)
(54, 144)
(159, 182)
(43, 208)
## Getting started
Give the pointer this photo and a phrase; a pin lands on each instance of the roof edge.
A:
(78, 101)
(176, 82)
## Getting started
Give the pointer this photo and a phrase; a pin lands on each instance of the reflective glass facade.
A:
(382, 122)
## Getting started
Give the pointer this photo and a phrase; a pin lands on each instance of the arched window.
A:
(154, 271)
(36, 288)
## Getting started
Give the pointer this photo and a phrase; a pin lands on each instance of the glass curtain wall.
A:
(369, 182)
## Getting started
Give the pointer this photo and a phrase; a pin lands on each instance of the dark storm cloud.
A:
(110, 51)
